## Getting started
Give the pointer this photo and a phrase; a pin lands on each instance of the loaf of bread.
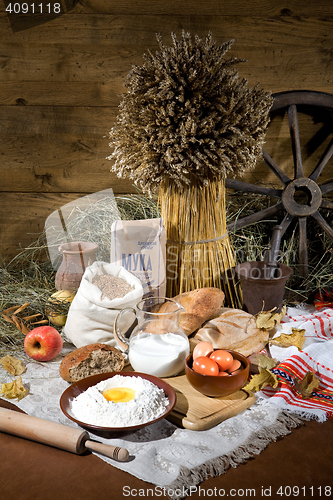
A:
(200, 305)
(90, 360)
(233, 329)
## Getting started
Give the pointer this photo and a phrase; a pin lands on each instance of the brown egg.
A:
(236, 364)
(202, 349)
(236, 371)
(205, 366)
(223, 358)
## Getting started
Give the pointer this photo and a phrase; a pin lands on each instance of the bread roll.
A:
(90, 360)
(233, 329)
(200, 305)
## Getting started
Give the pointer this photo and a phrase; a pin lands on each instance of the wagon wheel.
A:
(292, 187)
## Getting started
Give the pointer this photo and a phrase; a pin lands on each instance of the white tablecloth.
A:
(163, 454)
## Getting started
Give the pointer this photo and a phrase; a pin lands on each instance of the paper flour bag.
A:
(140, 247)
(92, 312)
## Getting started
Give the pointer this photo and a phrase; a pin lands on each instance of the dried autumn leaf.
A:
(307, 385)
(260, 380)
(267, 320)
(12, 365)
(262, 361)
(295, 338)
(15, 389)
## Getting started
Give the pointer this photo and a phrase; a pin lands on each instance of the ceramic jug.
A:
(157, 345)
(76, 256)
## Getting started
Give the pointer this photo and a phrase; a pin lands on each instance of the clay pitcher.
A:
(76, 256)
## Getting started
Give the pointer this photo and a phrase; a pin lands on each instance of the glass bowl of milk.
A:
(157, 345)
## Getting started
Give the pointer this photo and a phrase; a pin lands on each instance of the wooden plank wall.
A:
(61, 81)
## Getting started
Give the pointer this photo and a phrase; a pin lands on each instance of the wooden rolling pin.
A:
(54, 434)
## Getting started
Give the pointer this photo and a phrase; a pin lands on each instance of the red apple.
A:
(43, 343)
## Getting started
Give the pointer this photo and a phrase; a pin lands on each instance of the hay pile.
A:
(29, 277)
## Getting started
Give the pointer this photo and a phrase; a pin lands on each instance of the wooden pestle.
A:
(57, 435)
(272, 263)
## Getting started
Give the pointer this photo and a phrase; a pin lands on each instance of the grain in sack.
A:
(104, 290)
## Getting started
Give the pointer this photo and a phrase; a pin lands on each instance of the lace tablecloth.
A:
(163, 454)
(168, 456)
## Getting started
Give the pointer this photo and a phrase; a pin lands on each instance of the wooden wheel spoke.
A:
(295, 141)
(251, 219)
(327, 204)
(303, 247)
(275, 168)
(324, 159)
(299, 197)
(326, 188)
(252, 188)
(323, 224)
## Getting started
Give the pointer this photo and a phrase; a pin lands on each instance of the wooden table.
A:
(33, 471)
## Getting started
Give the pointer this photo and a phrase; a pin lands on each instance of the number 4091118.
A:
(33, 8)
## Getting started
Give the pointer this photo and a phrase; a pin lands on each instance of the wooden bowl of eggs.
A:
(216, 372)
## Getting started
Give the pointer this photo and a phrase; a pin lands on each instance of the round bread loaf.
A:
(90, 360)
(233, 329)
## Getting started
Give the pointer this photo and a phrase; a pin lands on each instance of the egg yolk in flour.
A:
(119, 394)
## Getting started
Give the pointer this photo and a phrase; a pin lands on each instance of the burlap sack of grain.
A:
(140, 247)
(91, 315)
